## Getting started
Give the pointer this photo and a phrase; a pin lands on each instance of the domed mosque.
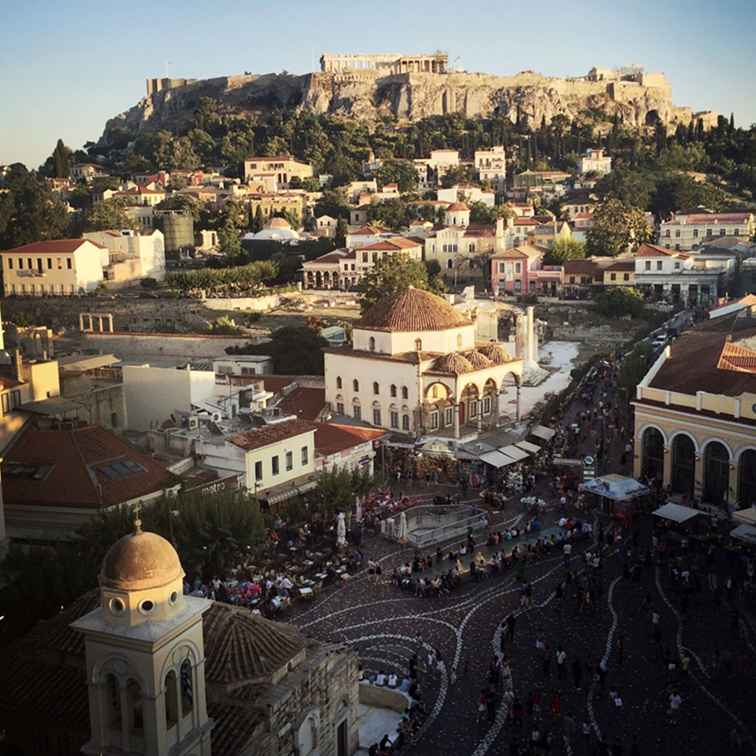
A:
(415, 367)
(138, 667)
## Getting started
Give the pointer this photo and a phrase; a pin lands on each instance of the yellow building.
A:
(283, 167)
(620, 273)
(270, 204)
(695, 414)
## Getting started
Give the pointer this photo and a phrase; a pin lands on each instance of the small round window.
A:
(146, 607)
(174, 597)
(116, 606)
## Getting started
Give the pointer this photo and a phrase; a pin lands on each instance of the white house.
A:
(594, 161)
(688, 230)
(326, 226)
(491, 165)
(466, 193)
(147, 247)
(62, 267)
(661, 273)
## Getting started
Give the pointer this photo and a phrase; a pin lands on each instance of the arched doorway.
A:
(747, 478)
(683, 465)
(468, 404)
(716, 473)
(652, 446)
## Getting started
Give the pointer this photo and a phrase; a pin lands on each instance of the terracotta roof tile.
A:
(270, 434)
(651, 250)
(412, 310)
(50, 247)
(332, 437)
(85, 467)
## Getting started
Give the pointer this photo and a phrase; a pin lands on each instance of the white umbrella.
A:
(402, 528)
(341, 530)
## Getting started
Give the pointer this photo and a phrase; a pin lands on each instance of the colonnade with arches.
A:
(698, 465)
(450, 410)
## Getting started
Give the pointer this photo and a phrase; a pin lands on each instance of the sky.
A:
(65, 68)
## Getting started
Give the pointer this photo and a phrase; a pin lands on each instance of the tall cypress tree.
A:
(61, 158)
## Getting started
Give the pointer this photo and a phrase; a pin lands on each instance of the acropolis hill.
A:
(411, 87)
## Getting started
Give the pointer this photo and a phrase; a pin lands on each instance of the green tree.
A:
(616, 228)
(620, 301)
(393, 213)
(182, 203)
(565, 249)
(29, 211)
(109, 214)
(229, 239)
(258, 221)
(401, 172)
(391, 275)
(296, 350)
(676, 191)
(61, 160)
(629, 186)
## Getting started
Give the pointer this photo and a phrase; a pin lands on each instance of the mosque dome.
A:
(412, 310)
(453, 363)
(495, 352)
(140, 561)
(477, 360)
(278, 223)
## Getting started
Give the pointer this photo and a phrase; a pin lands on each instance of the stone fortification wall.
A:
(409, 89)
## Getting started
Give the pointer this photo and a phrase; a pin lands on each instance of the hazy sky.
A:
(67, 67)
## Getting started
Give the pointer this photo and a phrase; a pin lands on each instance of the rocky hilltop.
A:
(640, 100)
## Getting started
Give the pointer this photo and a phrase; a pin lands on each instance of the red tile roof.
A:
(713, 217)
(331, 437)
(74, 469)
(651, 250)
(50, 247)
(270, 434)
(457, 207)
(412, 310)
(304, 402)
(366, 231)
(738, 358)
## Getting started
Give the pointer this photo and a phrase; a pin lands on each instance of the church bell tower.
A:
(145, 655)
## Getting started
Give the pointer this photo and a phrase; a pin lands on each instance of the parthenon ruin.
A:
(391, 63)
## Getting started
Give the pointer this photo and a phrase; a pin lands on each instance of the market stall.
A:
(618, 494)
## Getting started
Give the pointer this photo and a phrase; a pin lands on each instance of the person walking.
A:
(561, 658)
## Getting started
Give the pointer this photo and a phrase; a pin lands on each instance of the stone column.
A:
(81, 321)
(530, 334)
(456, 420)
(479, 404)
(699, 476)
(110, 324)
(667, 470)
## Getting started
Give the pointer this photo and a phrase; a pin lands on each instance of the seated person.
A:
(393, 681)
(380, 679)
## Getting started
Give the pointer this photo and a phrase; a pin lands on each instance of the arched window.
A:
(393, 390)
(372, 343)
(405, 422)
(405, 393)
(134, 698)
(683, 465)
(171, 700)
(112, 703)
(652, 449)
(747, 481)
(355, 385)
(716, 473)
(187, 687)
(339, 383)
(376, 388)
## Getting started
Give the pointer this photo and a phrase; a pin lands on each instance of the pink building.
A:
(520, 270)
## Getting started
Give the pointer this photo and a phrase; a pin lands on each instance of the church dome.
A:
(495, 352)
(412, 310)
(458, 207)
(140, 561)
(453, 363)
(477, 360)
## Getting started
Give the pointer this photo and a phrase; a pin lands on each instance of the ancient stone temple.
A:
(137, 667)
(387, 63)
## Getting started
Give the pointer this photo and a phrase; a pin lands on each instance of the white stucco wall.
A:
(450, 340)
(152, 394)
(265, 455)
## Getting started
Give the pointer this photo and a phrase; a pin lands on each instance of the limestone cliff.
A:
(411, 96)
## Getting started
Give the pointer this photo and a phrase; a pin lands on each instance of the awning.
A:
(512, 451)
(528, 447)
(541, 431)
(497, 459)
(745, 533)
(615, 487)
(677, 512)
(745, 516)
(276, 497)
